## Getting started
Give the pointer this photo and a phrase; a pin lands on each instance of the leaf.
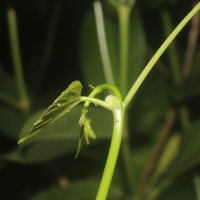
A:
(139, 159)
(157, 3)
(64, 103)
(168, 155)
(8, 87)
(197, 186)
(91, 59)
(11, 118)
(88, 130)
(82, 190)
(150, 106)
(189, 90)
(181, 189)
(14, 155)
(11, 121)
(188, 155)
(61, 137)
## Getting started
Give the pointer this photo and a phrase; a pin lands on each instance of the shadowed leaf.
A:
(80, 190)
(61, 137)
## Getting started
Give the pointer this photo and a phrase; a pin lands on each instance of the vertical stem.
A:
(107, 68)
(112, 155)
(124, 21)
(16, 57)
(124, 12)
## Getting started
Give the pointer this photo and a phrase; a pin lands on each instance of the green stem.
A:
(112, 155)
(95, 101)
(124, 22)
(107, 68)
(16, 57)
(124, 12)
(99, 89)
(158, 54)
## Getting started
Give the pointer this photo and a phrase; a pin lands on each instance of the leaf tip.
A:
(21, 140)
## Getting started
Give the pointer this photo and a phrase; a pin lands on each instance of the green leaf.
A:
(11, 121)
(64, 103)
(150, 106)
(197, 186)
(14, 155)
(181, 189)
(61, 137)
(11, 118)
(188, 155)
(8, 87)
(88, 130)
(82, 190)
(189, 90)
(168, 155)
(157, 3)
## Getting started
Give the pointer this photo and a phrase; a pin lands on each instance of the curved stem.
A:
(112, 155)
(158, 54)
(95, 101)
(99, 89)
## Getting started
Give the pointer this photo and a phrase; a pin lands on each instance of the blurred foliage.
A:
(59, 45)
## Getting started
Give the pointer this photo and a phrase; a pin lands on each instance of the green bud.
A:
(113, 102)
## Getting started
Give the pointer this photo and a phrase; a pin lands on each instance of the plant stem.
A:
(124, 12)
(124, 21)
(158, 54)
(112, 155)
(16, 57)
(107, 68)
(95, 101)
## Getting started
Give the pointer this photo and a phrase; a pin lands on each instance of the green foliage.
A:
(188, 155)
(148, 116)
(57, 47)
(87, 190)
(197, 186)
(64, 103)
